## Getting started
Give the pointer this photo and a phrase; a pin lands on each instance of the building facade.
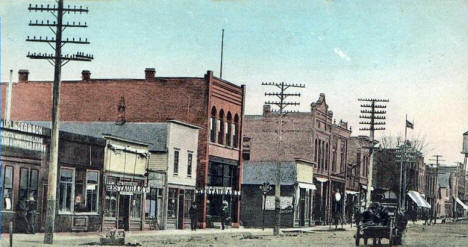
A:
(308, 135)
(23, 169)
(297, 191)
(213, 104)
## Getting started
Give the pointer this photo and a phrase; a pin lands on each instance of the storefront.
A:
(23, 157)
(180, 200)
(124, 197)
(222, 187)
(154, 204)
(125, 183)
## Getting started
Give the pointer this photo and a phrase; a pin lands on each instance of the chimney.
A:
(266, 110)
(85, 75)
(150, 73)
(23, 75)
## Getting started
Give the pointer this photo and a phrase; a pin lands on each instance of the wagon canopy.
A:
(418, 199)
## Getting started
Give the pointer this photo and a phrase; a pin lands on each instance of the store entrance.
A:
(124, 212)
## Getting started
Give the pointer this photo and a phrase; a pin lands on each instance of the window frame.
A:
(72, 197)
(12, 194)
(97, 190)
(189, 163)
(176, 162)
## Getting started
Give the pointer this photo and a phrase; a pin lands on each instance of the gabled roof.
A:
(155, 134)
(265, 171)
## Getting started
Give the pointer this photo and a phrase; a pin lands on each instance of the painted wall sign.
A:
(286, 202)
(126, 187)
(218, 190)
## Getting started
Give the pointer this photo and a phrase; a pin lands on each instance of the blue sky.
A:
(413, 52)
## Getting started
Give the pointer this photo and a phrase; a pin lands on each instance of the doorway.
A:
(124, 212)
(180, 213)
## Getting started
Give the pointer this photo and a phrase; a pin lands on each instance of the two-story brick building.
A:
(307, 135)
(213, 104)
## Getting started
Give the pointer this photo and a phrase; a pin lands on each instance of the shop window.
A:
(110, 204)
(136, 206)
(28, 186)
(188, 203)
(176, 161)
(92, 191)
(189, 164)
(86, 191)
(172, 204)
(7, 196)
(66, 189)
(154, 204)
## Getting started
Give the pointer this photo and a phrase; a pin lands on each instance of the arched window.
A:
(235, 137)
(228, 129)
(213, 125)
(221, 127)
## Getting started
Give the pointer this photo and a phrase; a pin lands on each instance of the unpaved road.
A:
(454, 234)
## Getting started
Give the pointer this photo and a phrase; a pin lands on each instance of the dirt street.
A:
(454, 234)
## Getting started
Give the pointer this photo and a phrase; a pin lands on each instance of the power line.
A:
(58, 60)
(281, 104)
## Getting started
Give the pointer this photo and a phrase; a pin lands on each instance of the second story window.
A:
(228, 129)
(221, 127)
(189, 164)
(213, 123)
(176, 162)
(235, 136)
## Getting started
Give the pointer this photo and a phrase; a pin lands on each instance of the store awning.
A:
(352, 192)
(418, 199)
(461, 203)
(322, 180)
(307, 186)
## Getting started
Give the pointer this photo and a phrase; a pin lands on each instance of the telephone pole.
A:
(282, 104)
(372, 118)
(437, 160)
(58, 60)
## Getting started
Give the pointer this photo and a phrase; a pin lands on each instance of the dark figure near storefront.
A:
(193, 212)
(27, 214)
(224, 214)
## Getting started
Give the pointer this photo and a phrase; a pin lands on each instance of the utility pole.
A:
(405, 155)
(437, 160)
(57, 60)
(373, 117)
(282, 104)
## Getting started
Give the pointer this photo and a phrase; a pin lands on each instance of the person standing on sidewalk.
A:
(193, 212)
(224, 214)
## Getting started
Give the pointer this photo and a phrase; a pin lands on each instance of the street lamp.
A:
(265, 188)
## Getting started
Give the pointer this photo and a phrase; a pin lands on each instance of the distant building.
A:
(310, 136)
(297, 191)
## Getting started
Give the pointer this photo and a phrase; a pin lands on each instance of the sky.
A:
(414, 53)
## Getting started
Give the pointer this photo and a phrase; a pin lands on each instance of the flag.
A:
(409, 124)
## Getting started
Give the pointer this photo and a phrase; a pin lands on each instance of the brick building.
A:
(358, 171)
(216, 105)
(307, 135)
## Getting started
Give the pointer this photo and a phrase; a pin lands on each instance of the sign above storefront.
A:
(218, 190)
(126, 187)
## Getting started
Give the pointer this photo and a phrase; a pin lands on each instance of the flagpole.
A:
(406, 126)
